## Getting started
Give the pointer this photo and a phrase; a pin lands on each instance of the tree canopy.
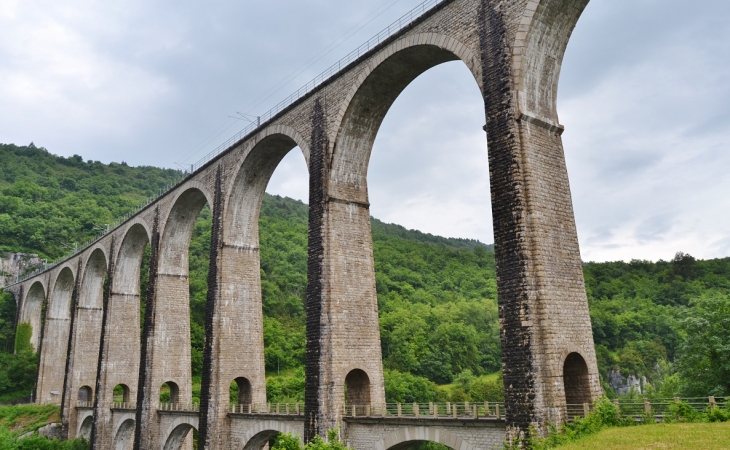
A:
(437, 297)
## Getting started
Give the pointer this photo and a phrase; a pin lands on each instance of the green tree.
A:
(704, 363)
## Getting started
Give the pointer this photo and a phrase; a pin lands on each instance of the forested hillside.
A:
(436, 296)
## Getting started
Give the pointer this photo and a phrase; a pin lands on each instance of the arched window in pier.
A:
(357, 388)
(85, 395)
(121, 393)
(575, 380)
(240, 391)
(169, 393)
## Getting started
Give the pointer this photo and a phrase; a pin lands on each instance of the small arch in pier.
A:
(169, 392)
(85, 394)
(357, 388)
(576, 381)
(121, 393)
(240, 391)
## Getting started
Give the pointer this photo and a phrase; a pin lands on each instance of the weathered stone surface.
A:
(51, 431)
(514, 50)
(382, 434)
(13, 265)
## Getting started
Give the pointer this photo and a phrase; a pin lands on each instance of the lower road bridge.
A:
(108, 377)
(460, 427)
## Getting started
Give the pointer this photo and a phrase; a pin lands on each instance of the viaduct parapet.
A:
(84, 311)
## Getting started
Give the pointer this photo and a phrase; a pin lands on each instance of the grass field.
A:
(694, 436)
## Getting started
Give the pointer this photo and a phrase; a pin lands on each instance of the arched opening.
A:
(59, 304)
(181, 437)
(85, 396)
(124, 438)
(265, 237)
(85, 428)
(119, 371)
(419, 445)
(178, 315)
(29, 325)
(55, 339)
(169, 393)
(428, 438)
(240, 391)
(357, 389)
(125, 306)
(86, 337)
(91, 293)
(267, 439)
(576, 380)
(425, 309)
(121, 394)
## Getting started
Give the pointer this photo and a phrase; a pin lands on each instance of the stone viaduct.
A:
(84, 311)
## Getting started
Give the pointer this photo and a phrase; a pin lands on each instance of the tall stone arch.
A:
(518, 48)
(234, 332)
(166, 334)
(120, 350)
(342, 314)
(31, 311)
(52, 362)
(83, 357)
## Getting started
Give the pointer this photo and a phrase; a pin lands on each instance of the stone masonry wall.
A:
(382, 434)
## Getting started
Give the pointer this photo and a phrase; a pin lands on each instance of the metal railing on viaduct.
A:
(84, 309)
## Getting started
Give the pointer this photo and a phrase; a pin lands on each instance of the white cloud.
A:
(647, 156)
(65, 88)
(644, 97)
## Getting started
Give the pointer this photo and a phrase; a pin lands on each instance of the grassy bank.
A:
(693, 436)
(18, 420)
(21, 419)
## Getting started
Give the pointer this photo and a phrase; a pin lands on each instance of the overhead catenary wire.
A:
(207, 140)
(385, 6)
(316, 58)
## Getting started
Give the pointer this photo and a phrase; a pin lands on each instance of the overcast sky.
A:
(644, 97)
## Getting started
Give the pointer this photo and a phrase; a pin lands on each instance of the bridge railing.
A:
(455, 410)
(81, 404)
(654, 407)
(124, 405)
(268, 408)
(384, 35)
(183, 407)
